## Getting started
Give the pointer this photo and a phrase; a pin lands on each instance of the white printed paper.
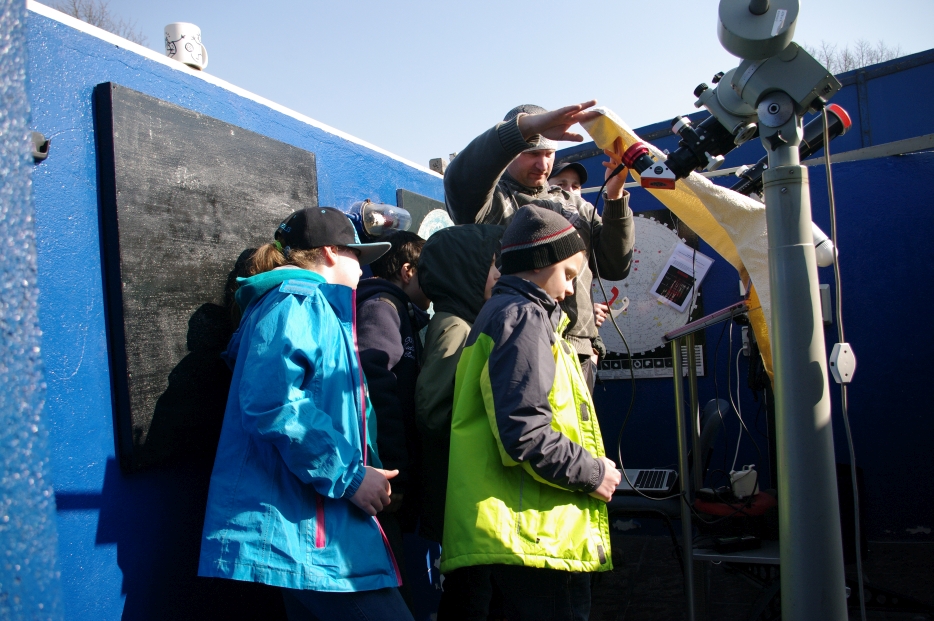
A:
(684, 271)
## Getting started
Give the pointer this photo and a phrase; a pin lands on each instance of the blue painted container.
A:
(128, 544)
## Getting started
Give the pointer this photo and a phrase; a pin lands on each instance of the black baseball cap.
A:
(581, 171)
(325, 226)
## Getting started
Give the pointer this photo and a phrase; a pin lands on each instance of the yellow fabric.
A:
(733, 224)
(501, 512)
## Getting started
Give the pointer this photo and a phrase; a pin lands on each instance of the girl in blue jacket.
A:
(296, 480)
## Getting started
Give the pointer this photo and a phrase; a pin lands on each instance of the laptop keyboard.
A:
(652, 480)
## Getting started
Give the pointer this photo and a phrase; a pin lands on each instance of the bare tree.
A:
(97, 13)
(863, 53)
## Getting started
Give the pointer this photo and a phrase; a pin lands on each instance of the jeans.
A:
(380, 605)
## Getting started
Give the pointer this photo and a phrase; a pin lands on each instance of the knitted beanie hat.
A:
(536, 238)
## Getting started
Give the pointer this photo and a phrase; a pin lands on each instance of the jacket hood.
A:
(454, 265)
(371, 287)
(253, 288)
(513, 285)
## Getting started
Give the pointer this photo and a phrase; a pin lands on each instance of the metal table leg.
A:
(698, 481)
(687, 538)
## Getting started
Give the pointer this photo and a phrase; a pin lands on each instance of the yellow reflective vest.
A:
(499, 509)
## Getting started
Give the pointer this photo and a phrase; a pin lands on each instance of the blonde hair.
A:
(269, 256)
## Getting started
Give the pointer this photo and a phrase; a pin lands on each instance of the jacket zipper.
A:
(392, 556)
(356, 351)
(319, 522)
(521, 489)
(590, 431)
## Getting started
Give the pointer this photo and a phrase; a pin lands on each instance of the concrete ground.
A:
(646, 584)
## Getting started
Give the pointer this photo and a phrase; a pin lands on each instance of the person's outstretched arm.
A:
(471, 178)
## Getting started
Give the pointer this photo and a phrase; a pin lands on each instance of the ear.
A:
(330, 255)
(406, 273)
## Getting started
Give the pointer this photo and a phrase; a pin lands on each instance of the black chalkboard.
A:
(183, 197)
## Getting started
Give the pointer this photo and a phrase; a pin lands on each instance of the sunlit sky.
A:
(421, 79)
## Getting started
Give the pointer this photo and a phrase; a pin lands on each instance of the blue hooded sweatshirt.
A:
(297, 433)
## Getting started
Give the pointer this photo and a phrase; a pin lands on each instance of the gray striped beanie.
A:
(536, 238)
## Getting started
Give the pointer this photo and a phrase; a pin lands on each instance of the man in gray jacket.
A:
(507, 167)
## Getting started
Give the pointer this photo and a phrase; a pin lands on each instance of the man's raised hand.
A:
(555, 124)
(615, 186)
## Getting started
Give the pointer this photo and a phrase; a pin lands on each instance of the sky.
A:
(422, 78)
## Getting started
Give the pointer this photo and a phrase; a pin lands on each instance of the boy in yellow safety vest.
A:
(528, 478)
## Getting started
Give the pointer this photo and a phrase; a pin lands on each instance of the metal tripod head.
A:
(777, 81)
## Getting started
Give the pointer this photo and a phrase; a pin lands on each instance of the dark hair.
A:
(405, 248)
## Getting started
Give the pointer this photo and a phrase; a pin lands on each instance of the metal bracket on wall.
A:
(40, 147)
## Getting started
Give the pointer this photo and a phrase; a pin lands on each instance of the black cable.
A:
(632, 375)
(729, 384)
(843, 395)
(716, 389)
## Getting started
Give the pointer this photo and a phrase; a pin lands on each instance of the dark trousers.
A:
(381, 605)
(393, 529)
(529, 594)
(590, 371)
(466, 595)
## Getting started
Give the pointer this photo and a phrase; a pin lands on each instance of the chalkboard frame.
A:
(140, 393)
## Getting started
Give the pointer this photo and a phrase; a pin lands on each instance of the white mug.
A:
(183, 43)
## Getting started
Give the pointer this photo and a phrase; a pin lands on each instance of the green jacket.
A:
(452, 271)
(525, 444)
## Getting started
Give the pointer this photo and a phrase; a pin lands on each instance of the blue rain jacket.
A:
(297, 433)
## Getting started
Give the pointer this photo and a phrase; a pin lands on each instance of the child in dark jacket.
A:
(457, 270)
(390, 312)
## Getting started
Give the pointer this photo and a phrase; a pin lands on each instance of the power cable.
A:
(843, 396)
(632, 375)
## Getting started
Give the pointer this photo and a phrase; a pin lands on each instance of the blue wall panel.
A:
(900, 102)
(131, 536)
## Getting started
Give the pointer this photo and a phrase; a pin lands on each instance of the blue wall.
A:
(885, 225)
(134, 537)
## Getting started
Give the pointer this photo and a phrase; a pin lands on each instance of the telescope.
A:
(704, 148)
(767, 95)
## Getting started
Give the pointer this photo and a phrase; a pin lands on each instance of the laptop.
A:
(655, 480)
